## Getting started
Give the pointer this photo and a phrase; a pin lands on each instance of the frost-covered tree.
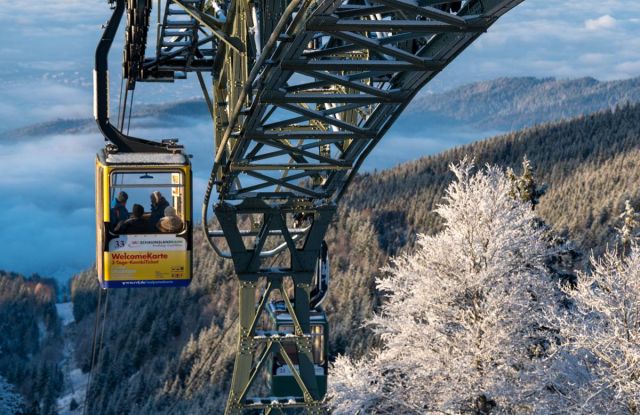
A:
(602, 333)
(462, 327)
(630, 223)
(11, 402)
(525, 187)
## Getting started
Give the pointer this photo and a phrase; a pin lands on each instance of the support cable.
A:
(104, 320)
(120, 98)
(130, 111)
(122, 109)
(93, 351)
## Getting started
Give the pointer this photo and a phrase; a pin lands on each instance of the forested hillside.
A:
(170, 351)
(30, 341)
(589, 163)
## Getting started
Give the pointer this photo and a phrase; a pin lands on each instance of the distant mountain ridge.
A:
(503, 104)
(188, 108)
(513, 103)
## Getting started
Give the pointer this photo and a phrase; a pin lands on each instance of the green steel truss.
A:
(258, 280)
(300, 93)
(298, 118)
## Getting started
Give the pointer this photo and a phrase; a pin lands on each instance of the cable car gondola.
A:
(138, 247)
(283, 382)
(150, 247)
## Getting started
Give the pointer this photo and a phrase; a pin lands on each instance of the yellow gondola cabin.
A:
(143, 219)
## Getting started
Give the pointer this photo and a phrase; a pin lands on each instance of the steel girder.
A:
(186, 41)
(333, 83)
(303, 90)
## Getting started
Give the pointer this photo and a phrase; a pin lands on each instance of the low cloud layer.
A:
(47, 183)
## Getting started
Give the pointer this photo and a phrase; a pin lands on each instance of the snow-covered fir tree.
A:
(630, 223)
(11, 402)
(525, 187)
(602, 338)
(463, 328)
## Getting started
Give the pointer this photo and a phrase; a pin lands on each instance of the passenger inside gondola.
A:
(170, 222)
(158, 206)
(119, 212)
(155, 221)
(453, 7)
(136, 222)
(165, 213)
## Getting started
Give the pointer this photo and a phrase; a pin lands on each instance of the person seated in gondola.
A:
(135, 224)
(158, 205)
(301, 219)
(453, 7)
(170, 222)
(119, 212)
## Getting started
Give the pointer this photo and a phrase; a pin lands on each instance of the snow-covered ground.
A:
(75, 382)
(65, 312)
(75, 387)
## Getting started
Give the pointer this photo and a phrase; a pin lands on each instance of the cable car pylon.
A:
(301, 92)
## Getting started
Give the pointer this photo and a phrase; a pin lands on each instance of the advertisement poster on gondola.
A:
(147, 260)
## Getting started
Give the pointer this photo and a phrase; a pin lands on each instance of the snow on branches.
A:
(11, 402)
(630, 223)
(463, 326)
(602, 334)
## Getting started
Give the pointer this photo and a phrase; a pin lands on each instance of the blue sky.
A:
(546, 38)
(46, 58)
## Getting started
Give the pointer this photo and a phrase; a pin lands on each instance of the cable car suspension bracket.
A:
(256, 346)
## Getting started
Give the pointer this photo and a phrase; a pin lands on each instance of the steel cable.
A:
(93, 351)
